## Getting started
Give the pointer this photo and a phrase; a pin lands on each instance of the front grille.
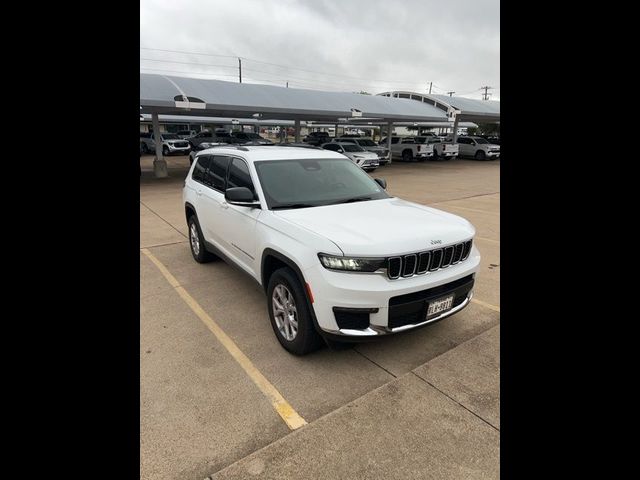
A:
(180, 144)
(427, 261)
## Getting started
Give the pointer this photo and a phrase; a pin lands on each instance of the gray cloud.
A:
(372, 45)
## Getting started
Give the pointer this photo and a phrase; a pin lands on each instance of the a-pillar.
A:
(297, 127)
(159, 163)
(389, 133)
(455, 129)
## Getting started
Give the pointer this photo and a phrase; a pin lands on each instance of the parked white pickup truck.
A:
(406, 149)
(441, 149)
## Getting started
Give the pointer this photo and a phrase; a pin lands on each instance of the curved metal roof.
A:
(165, 94)
(469, 108)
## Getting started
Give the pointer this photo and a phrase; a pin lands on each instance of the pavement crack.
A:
(464, 198)
(376, 364)
(456, 401)
(151, 210)
(163, 244)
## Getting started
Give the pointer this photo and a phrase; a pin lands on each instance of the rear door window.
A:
(217, 172)
(200, 169)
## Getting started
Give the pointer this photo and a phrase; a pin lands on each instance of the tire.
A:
(283, 287)
(480, 155)
(196, 242)
(145, 148)
(407, 156)
(165, 151)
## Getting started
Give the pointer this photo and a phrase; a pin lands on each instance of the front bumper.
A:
(183, 150)
(378, 295)
(493, 154)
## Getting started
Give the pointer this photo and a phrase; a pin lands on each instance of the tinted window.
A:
(217, 172)
(394, 140)
(314, 182)
(353, 148)
(481, 140)
(333, 147)
(347, 140)
(366, 143)
(201, 167)
(239, 175)
(170, 136)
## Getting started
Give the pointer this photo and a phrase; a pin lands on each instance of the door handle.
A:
(224, 205)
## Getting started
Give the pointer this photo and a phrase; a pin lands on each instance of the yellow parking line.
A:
(470, 209)
(488, 240)
(485, 304)
(284, 409)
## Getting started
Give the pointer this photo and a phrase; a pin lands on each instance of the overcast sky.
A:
(341, 45)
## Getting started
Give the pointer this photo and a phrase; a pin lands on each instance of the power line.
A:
(188, 53)
(275, 65)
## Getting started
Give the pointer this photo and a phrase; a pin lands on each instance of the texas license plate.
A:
(438, 306)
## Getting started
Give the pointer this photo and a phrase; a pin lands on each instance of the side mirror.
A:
(241, 196)
(382, 182)
(340, 150)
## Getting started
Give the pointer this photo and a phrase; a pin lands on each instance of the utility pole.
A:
(240, 69)
(485, 94)
(430, 85)
(451, 93)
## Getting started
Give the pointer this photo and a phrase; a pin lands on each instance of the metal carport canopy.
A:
(216, 98)
(471, 109)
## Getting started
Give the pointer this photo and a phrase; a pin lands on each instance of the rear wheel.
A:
(407, 156)
(289, 313)
(196, 242)
(480, 155)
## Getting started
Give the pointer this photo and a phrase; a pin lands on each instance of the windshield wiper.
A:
(292, 205)
(353, 199)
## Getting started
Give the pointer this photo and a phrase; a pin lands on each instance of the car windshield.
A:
(170, 136)
(351, 147)
(311, 183)
(480, 140)
(367, 143)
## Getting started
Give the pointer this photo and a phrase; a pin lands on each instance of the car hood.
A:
(364, 154)
(390, 226)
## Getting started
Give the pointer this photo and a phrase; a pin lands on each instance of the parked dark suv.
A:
(317, 138)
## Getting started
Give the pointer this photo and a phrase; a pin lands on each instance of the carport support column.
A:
(297, 127)
(159, 163)
(389, 132)
(455, 130)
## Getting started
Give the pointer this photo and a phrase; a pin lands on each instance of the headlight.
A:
(351, 263)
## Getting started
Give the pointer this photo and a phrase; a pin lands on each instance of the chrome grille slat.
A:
(447, 257)
(427, 261)
(410, 262)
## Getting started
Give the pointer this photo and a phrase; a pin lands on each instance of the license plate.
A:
(438, 306)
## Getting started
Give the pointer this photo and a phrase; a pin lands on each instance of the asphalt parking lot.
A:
(424, 404)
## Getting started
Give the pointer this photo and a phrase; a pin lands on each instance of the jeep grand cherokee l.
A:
(337, 256)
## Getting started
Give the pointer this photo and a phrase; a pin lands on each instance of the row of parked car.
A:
(363, 151)
(186, 141)
(417, 148)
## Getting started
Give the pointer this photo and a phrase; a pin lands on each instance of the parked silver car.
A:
(370, 146)
(171, 143)
(368, 161)
(478, 148)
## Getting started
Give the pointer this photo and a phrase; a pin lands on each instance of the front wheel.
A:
(480, 155)
(289, 313)
(165, 151)
(196, 242)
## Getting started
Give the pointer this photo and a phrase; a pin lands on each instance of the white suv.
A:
(337, 256)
